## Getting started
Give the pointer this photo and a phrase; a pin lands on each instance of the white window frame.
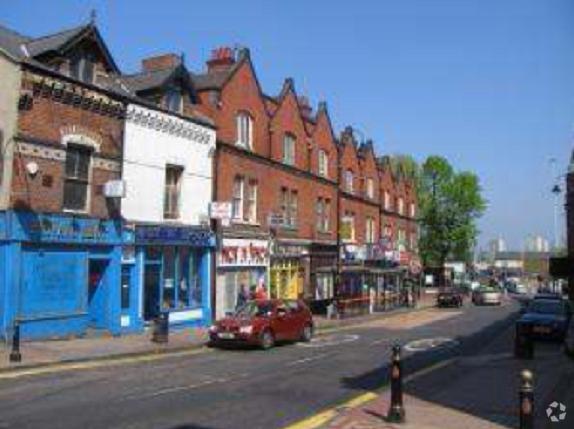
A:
(289, 143)
(349, 179)
(238, 198)
(370, 188)
(387, 200)
(401, 206)
(251, 213)
(323, 163)
(412, 210)
(369, 230)
(173, 213)
(244, 128)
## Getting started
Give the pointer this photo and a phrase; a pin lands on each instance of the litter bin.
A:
(160, 332)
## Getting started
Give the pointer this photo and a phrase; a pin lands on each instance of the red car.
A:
(263, 323)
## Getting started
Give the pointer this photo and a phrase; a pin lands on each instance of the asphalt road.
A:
(250, 389)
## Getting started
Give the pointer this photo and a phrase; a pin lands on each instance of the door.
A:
(152, 281)
(282, 323)
(96, 292)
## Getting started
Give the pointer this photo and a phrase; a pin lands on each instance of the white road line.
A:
(383, 341)
(309, 359)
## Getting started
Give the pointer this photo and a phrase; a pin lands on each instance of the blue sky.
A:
(487, 83)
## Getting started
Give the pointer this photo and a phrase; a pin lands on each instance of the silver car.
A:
(486, 296)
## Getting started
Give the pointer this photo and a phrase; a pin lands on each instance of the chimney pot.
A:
(161, 62)
(221, 59)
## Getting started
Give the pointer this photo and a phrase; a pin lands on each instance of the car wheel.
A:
(267, 340)
(307, 333)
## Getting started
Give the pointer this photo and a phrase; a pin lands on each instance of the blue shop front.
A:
(170, 267)
(60, 274)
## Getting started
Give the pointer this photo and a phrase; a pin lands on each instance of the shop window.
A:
(196, 292)
(153, 254)
(173, 176)
(323, 163)
(184, 281)
(169, 277)
(125, 291)
(289, 149)
(244, 130)
(324, 288)
(77, 177)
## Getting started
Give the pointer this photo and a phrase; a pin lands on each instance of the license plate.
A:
(541, 330)
(226, 335)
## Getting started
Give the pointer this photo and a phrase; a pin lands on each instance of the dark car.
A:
(263, 323)
(449, 298)
(548, 318)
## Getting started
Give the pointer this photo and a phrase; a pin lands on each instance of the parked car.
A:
(549, 318)
(263, 323)
(555, 296)
(449, 298)
(486, 296)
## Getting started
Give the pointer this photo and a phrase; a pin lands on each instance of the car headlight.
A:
(213, 329)
(247, 330)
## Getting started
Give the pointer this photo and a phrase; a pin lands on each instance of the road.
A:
(252, 389)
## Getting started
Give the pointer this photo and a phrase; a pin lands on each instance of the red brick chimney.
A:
(221, 59)
(161, 62)
(304, 105)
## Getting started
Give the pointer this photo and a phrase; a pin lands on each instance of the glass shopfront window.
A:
(169, 264)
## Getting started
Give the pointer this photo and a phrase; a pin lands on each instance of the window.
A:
(387, 200)
(402, 239)
(76, 180)
(251, 213)
(289, 149)
(289, 206)
(173, 100)
(370, 230)
(348, 227)
(323, 163)
(172, 190)
(244, 130)
(401, 206)
(82, 68)
(349, 181)
(413, 244)
(323, 210)
(370, 189)
(388, 232)
(412, 210)
(237, 201)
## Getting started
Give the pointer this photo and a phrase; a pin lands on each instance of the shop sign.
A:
(241, 252)
(290, 250)
(163, 234)
(220, 210)
(53, 228)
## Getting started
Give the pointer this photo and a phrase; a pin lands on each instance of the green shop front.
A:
(171, 268)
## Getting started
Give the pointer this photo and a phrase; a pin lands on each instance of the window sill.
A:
(244, 222)
(78, 212)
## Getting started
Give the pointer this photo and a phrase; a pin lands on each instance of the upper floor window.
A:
(173, 100)
(370, 230)
(323, 163)
(289, 207)
(251, 209)
(171, 201)
(413, 243)
(412, 210)
(238, 196)
(348, 227)
(77, 177)
(349, 178)
(323, 214)
(244, 130)
(401, 206)
(82, 68)
(387, 200)
(289, 149)
(370, 188)
(388, 232)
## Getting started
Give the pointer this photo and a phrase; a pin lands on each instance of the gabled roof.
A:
(11, 42)
(53, 42)
(149, 79)
(218, 79)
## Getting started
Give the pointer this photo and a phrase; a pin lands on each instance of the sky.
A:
(489, 84)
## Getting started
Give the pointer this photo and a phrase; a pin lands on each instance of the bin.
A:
(160, 332)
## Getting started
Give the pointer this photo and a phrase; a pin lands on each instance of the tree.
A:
(450, 202)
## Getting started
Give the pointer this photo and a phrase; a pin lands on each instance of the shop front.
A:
(290, 270)
(172, 265)
(241, 264)
(60, 274)
(323, 263)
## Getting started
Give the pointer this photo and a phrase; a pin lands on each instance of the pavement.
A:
(254, 389)
(106, 347)
(474, 390)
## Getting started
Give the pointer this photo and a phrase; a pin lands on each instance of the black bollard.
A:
(15, 355)
(523, 341)
(526, 400)
(396, 410)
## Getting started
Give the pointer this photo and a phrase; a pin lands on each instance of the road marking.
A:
(320, 419)
(309, 359)
(330, 340)
(64, 367)
(430, 344)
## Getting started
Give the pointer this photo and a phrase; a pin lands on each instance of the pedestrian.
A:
(261, 292)
(242, 296)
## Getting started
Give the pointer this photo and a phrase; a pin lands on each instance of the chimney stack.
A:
(221, 59)
(161, 62)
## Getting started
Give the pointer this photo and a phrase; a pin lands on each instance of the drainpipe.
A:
(216, 228)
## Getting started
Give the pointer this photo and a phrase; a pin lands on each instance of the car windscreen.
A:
(254, 308)
(545, 307)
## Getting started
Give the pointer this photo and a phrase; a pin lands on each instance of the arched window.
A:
(244, 130)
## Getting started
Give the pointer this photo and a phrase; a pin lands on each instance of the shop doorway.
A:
(152, 280)
(96, 292)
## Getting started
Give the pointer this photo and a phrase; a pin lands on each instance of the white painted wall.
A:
(152, 140)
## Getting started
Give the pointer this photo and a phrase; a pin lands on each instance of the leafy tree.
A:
(450, 202)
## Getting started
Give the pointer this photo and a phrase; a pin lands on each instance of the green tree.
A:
(450, 203)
